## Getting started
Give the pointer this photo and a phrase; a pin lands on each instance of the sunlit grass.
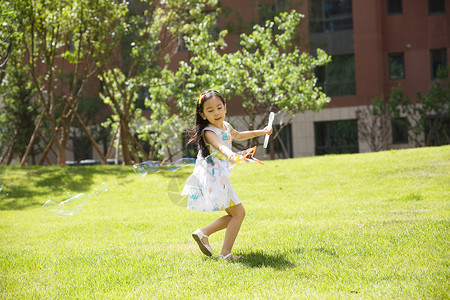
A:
(368, 225)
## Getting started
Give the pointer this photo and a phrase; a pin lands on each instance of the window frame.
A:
(390, 56)
(433, 72)
(395, 13)
(326, 23)
(399, 131)
(321, 73)
(326, 143)
(434, 13)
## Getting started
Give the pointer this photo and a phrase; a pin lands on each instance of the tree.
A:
(269, 73)
(434, 110)
(59, 41)
(171, 116)
(159, 26)
(426, 120)
(274, 75)
(39, 26)
(17, 113)
(374, 129)
(6, 31)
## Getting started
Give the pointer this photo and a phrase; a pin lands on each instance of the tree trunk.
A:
(111, 145)
(124, 132)
(10, 156)
(61, 161)
(91, 139)
(46, 151)
(138, 145)
(5, 154)
(62, 142)
(33, 137)
(116, 161)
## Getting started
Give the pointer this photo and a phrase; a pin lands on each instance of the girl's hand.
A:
(236, 158)
(268, 130)
(232, 158)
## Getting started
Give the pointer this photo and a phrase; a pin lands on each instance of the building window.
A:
(338, 77)
(396, 66)
(394, 7)
(330, 15)
(336, 137)
(438, 58)
(436, 7)
(399, 131)
(283, 142)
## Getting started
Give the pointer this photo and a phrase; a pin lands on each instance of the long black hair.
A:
(195, 133)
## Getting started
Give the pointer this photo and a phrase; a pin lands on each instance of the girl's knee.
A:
(237, 211)
(242, 212)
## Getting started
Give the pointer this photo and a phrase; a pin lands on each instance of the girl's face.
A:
(214, 110)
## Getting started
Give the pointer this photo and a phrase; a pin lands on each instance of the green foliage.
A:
(163, 131)
(274, 73)
(91, 29)
(427, 120)
(154, 30)
(364, 226)
(18, 111)
(268, 72)
(206, 69)
(130, 44)
(56, 36)
(434, 110)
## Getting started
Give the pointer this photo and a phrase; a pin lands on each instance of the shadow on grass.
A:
(259, 259)
(27, 186)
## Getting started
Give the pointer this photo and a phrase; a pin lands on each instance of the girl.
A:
(209, 187)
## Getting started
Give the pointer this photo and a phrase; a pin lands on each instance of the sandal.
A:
(198, 235)
(229, 256)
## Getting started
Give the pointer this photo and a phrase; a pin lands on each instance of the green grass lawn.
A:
(363, 226)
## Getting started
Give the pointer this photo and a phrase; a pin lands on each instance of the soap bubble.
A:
(144, 168)
(186, 161)
(74, 204)
(176, 184)
(67, 207)
(174, 190)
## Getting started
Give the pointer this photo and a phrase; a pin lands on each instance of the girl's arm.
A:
(245, 135)
(213, 139)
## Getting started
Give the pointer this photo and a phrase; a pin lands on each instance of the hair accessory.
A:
(217, 93)
(202, 96)
(200, 99)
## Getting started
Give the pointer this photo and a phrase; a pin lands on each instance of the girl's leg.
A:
(219, 224)
(237, 214)
(215, 226)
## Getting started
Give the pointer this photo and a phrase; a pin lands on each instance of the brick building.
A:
(376, 45)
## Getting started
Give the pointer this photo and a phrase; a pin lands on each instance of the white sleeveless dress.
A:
(209, 187)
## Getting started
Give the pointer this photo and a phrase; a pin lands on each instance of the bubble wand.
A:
(247, 156)
(266, 139)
